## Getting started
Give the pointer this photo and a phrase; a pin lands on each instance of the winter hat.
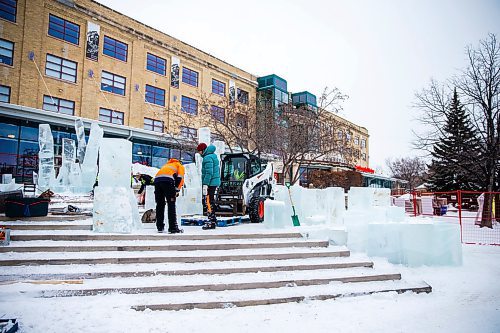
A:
(201, 147)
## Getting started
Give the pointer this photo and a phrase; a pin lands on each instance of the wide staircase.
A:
(243, 265)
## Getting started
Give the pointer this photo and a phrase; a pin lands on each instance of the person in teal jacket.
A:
(210, 180)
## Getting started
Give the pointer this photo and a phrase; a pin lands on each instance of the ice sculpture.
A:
(189, 202)
(220, 148)
(275, 215)
(46, 173)
(80, 136)
(115, 206)
(204, 135)
(115, 210)
(89, 165)
(115, 162)
(150, 202)
(68, 158)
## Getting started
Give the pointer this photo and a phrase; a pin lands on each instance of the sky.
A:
(380, 53)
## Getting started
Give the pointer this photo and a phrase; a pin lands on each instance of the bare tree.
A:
(411, 169)
(296, 136)
(479, 89)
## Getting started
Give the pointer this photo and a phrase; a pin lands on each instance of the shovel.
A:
(295, 218)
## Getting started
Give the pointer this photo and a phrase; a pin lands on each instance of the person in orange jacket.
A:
(168, 183)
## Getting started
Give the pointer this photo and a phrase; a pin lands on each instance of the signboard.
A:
(92, 50)
(174, 73)
(232, 92)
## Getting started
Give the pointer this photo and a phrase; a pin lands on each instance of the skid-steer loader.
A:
(245, 185)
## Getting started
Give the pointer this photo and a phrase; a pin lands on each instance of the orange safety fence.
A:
(478, 213)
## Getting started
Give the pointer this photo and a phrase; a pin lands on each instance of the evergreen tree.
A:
(454, 159)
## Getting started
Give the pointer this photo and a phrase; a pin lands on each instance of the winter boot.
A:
(175, 231)
(208, 226)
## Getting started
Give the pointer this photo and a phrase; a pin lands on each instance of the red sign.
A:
(364, 169)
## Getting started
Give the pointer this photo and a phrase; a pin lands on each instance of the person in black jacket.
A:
(145, 180)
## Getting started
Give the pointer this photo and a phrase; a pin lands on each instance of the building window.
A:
(189, 132)
(58, 105)
(363, 143)
(8, 10)
(155, 95)
(153, 125)
(348, 136)
(218, 87)
(189, 105)
(60, 68)
(356, 140)
(65, 30)
(111, 116)
(156, 64)
(113, 83)
(189, 76)
(242, 96)
(340, 134)
(241, 120)
(115, 48)
(363, 156)
(218, 113)
(5, 94)
(6, 52)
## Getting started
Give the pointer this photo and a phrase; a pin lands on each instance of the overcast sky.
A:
(377, 52)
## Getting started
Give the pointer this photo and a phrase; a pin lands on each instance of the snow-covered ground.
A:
(464, 299)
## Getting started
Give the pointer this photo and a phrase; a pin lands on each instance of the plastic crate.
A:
(26, 207)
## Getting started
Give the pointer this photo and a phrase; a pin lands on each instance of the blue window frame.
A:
(189, 132)
(113, 83)
(155, 95)
(63, 29)
(189, 76)
(60, 68)
(218, 87)
(189, 105)
(8, 10)
(4, 94)
(156, 64)
(111, 116)
(242, 96)
(218, 113)
(6, 52)
(58, 105)
(115, 48)
(153, 125)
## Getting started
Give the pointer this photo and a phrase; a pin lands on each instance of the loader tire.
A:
(256, 209)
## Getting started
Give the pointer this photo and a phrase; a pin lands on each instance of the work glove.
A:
(205, 189)
(177, 193)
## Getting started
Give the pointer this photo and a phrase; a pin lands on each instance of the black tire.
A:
(256, 209)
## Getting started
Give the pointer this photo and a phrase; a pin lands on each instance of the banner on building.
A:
(232, 92)
(92, 51)
(174, 73)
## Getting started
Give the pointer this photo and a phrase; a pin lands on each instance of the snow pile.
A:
(144, 169)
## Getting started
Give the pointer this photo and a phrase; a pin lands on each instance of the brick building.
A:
(63, 59)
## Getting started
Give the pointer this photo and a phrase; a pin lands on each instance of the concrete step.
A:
(298, 294)
(110, 257)
(54, 236)
(82, 271)
(241, 286)
(180, 247)
(233, 270)
(40, 226)
(49, 217)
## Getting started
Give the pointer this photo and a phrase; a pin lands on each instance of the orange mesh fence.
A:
(478, 213)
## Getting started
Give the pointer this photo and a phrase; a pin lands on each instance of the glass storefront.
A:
(19, 149)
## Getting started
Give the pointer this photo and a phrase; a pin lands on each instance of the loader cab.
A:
(235, 169)
(239, 167)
